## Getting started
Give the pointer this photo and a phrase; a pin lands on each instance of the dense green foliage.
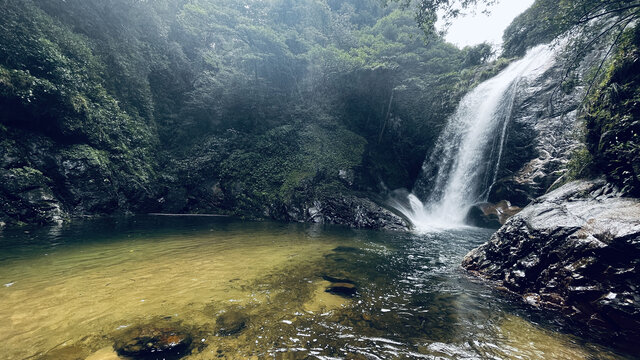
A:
(613, 118)
(58, 113)
(241, 106)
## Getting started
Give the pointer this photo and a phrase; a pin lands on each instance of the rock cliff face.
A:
(43, 181)
(576, 249)
(543, 130)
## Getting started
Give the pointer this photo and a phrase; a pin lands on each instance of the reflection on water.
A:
(226, 289)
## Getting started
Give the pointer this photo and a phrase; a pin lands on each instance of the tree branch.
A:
(584, 50)
(618, 10)
(615, 42)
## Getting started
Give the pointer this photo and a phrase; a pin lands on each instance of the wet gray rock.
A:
(25, 196)
(350, 210)
(541, 132)
(576, 249)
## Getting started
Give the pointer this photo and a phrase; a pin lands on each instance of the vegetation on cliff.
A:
(613, 118)
(232, 106)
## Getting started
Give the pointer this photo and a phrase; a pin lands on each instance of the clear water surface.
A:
(71, 292)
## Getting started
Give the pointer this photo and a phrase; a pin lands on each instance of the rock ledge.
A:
(576, 249)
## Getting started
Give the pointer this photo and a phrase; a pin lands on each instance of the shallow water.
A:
(71, 292)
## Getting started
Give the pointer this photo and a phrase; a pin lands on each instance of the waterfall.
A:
(465, 161)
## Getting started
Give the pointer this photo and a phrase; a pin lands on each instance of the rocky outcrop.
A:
(576, 249)
(350, 210)
(25, 194)
(43, 181)
(542, 131)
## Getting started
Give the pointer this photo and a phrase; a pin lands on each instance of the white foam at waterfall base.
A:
(415, 211)
(465, 160)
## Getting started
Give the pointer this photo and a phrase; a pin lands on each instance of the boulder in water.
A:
(357, 211)
(576, 249)
(490, 215)
(148, 342)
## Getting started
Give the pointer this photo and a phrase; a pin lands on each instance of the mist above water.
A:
(464, 163)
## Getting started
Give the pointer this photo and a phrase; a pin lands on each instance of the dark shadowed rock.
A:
(26, 195)
(343, 289)
(477, 217)
(490, 215)
(351, 210)
(576, 249)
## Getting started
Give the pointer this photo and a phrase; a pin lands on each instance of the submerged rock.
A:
(337, 279)
(231, 322)
(347, 249)
(104, 354)
(150, 343)
(71, 352)
(576, 249)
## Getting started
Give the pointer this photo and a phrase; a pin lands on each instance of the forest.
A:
(157, 97)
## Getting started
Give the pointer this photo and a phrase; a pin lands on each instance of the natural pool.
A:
(231, 289)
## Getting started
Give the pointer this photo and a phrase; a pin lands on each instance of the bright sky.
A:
(477, 28)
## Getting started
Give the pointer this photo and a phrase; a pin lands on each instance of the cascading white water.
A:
(465, 161)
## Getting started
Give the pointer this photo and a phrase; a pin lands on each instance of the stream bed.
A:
(221, 288)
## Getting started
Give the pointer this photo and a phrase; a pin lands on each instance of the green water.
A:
(72, 292)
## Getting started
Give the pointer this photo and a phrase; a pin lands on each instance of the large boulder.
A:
(576, 249)
(353, 211)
